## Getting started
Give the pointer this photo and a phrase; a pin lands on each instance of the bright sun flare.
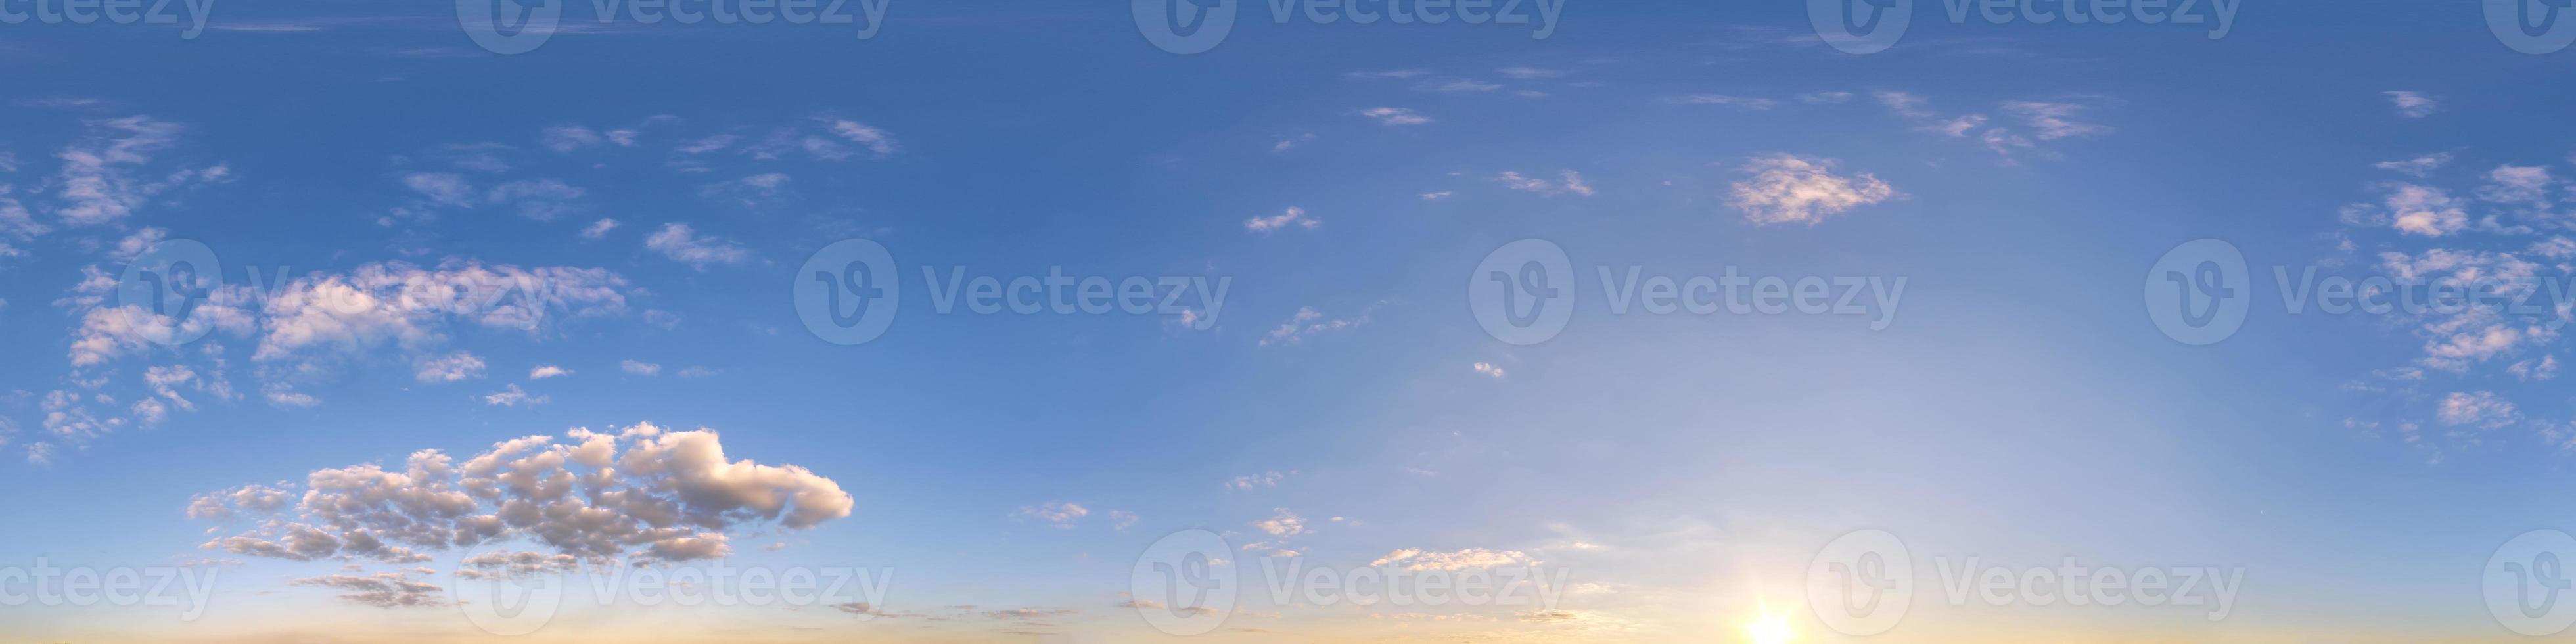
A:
(1771, 629)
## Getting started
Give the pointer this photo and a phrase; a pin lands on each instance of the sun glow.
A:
(1771, 629)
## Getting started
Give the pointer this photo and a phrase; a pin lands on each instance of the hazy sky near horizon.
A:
(585, 315)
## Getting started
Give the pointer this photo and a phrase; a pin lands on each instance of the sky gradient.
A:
(563, 318)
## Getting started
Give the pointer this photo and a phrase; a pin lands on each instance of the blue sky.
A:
(1342, 404)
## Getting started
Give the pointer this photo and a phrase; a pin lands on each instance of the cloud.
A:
(1060, 514)
(2416, 209)
(1790, 189)
(100, 182)
(2541, 369)
(1825, 98)
(1294, 216)
(1307, 323)
(680, 243)
(1268, 479)
(1436, 196)
(2413, 105)
(1750, 103)
(448, 368)
(1282, 523)
(511, 396)
(2482, 408)
(1489, 369)
(307, 328)
(2517, 185)
(1568, 181)
(669, 496)
(1395, 116)
(1418, 560)
(640, 368)
(253, 499)
(2420, 166)
(545, 371)
(598, 229)
(2053, 120)
(1529, 73)
(381, 590)
(1287, 142)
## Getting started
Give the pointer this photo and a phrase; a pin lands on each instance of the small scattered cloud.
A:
(1395, 116)
(1787, 189)
(1294, 216)
(2413, 105)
